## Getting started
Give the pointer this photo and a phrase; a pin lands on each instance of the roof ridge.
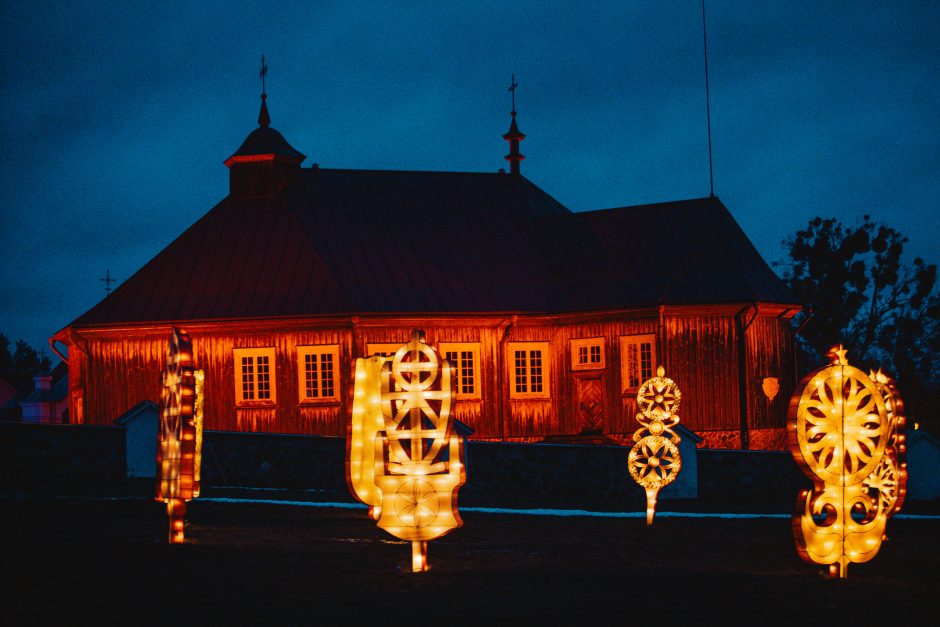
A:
(392, 171)
(650, 205)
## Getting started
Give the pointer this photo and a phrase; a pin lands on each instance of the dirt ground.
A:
(107, 562)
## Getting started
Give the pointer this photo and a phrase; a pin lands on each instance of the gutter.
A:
(742, 370)
(504, 330)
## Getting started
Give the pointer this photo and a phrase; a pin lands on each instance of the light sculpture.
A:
(654, 461)
(838, 429)
(888, 481)
(403, 458)
(179, 434)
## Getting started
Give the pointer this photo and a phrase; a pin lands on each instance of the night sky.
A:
(117, 116)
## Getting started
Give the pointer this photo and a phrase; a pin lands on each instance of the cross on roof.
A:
(264, 72)
(107, 279)
(512, 88)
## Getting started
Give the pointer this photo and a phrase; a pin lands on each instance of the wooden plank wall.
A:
(113, 371)
(770, 353)
(701, 357)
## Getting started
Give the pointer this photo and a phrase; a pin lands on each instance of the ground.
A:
(107, 562)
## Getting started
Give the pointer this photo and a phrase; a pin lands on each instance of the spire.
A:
(263, 118)
(514, 135)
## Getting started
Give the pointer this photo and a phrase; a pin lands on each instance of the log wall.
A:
(111, 370)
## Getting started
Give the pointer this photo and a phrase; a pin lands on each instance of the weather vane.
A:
(264, 72)
(107, 279)
(512, 88)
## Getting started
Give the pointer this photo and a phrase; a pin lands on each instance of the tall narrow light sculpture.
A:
(888, 481)
(403, 458)
(179, 434)
(838, 429)
(654, 461)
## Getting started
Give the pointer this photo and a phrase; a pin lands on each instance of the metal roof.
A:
(370, 241)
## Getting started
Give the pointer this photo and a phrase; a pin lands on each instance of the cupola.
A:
(265, 163)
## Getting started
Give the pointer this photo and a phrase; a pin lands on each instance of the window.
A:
(637, 358)
(316, 368)
(465, 358)
(385, 349)
(254, 376)
(587, 354)
(529, 365)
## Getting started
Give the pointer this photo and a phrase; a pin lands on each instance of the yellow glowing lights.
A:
(839, 430)
(654, 461)
(888, 481)
(403, 459)
(179, 445)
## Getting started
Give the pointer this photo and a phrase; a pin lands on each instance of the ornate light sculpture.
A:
(654, 461)
(839, 430)
(403, 458)
(179, 444)
(888, 481)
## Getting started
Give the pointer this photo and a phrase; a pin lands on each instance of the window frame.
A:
(473, 347)
(373, 348)
(588, 342)
(317, 349)
(264, 351)
(545, 348)
(625, 342)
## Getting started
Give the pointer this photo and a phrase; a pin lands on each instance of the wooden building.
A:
(552, 318)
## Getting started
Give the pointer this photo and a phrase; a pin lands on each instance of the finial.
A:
(264, 72)
(512, 88)
(836, 356)
(263, 118)
(514, 135)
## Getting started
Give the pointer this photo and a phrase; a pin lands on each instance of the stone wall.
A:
(770, 477)
(65, 459)
(61, 459)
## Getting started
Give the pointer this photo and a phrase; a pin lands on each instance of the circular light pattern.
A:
(654, 462)
(417, 504)
(841, 425)
(883, 483)
(658, 397)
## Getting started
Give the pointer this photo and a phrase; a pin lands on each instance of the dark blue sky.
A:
(117, 116)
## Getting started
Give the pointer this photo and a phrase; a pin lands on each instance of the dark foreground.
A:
(101, 562)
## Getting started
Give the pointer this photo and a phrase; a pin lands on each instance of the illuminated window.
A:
(385, 349)
(465, 358)
(638, 359)
(254, 376)
(316, 368)
(529, 366)
(587, 354)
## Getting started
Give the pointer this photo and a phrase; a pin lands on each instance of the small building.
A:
(552, 318)
(40, 398)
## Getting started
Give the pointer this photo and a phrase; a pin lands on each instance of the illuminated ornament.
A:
(838, 429)
(770, 386)
(888, 481)
(179, 444)
(654, 460)
(403, 459)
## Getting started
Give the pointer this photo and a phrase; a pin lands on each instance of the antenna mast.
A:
(708, 111)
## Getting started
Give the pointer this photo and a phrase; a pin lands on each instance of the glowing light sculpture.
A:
(654, 461)
(179, 444)
(838, 429)
(403, 458)
(888, 481)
